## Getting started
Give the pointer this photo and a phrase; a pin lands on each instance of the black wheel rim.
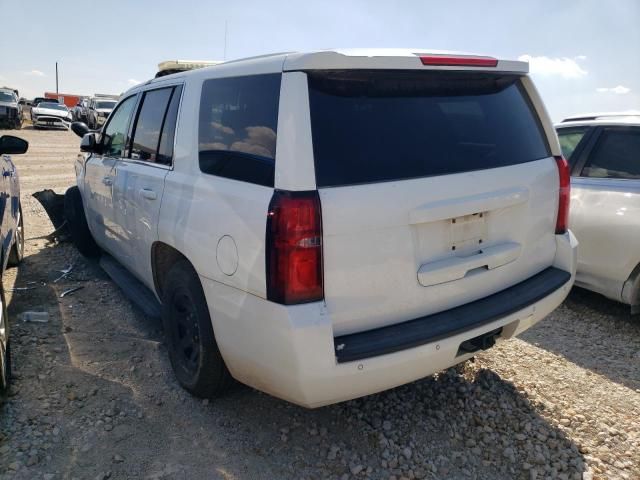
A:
(186, 333)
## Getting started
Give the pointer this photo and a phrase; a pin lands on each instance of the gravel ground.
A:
(94, 396)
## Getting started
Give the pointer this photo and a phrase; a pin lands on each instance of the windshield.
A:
(7, 97)
(106, 104)
(392, 125)
(53, 106)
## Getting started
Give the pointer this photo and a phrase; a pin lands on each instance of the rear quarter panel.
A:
(198, 210)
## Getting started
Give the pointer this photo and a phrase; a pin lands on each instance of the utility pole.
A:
(56, 80)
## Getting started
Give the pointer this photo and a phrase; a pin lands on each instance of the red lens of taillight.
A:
(562, 222)
(294, 248)
(458, 61)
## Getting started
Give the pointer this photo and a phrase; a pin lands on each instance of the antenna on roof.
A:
(225, 41)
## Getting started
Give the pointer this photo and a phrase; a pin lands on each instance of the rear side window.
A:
(155, 126)
(375, 126)
(238, 127)
(569, 139)
(616, 155)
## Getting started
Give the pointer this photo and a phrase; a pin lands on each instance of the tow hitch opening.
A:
(481, 342)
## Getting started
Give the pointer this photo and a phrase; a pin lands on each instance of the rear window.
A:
(375, 126)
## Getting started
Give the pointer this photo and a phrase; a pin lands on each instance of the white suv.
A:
(327, 225)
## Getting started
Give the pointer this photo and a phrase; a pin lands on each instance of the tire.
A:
(5, 348)
(193, 351)
(77, 224)
(16, 254)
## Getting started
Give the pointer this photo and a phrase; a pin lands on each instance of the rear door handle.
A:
(108, 181)
(148, 194)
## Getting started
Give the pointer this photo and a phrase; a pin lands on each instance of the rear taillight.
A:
(458, 61)
(294, 248)
(562, 222)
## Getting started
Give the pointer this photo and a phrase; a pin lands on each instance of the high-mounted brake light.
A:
(458, 61)
(562, 222)
(294, 248)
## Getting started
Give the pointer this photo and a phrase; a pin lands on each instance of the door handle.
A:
(108, 181)
(148, 194)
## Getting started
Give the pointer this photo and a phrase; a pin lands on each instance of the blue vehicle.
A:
(11, 240)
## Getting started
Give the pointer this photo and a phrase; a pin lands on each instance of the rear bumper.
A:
(291, 353)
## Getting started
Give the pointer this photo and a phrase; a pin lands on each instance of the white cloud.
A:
(619, 90)
(133, 81)
(35, 73)
(547, 66)
(581, 57)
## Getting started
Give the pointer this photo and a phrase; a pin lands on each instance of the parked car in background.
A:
(413, 213)
(81, 111)
(604, 154)
(11, 241)
(37, 100)
(98, 111)
(51, 115)
(10, 109)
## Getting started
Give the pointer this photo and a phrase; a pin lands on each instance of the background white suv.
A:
(327, 225)
(604, 153)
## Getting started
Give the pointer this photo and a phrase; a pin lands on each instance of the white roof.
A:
(602, 115)
(628, 117)
(335, 59)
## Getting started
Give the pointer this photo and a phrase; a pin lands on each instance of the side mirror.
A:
(11, 145)
(80, 129)
(89, 143)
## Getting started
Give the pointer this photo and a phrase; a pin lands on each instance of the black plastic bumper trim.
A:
(419, 331)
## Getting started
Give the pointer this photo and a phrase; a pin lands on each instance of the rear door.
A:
(605, 207)
(437, 189)
(100, 175)
(140, 179)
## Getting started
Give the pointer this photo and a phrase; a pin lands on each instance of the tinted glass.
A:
(165, 151)
(374, 126)
(105, 104)
(616, 155)
(238, 124)
(52, 106)
(115, 133)
(146, 133)
(569, 140)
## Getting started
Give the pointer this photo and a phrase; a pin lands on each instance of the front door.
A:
(100, 177)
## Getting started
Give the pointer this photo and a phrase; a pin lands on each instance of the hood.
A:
(51, 112)
(104, 110)
(8, 104)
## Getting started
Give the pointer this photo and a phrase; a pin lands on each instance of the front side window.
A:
(238, 127)
(115, 133)
(569, 139)
(616, 155)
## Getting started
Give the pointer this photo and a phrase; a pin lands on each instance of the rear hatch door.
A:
(437, 188)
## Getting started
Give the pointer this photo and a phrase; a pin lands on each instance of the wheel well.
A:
(163, 257)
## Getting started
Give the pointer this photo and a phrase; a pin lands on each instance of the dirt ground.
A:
(94, 396)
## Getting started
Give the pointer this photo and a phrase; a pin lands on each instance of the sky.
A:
(584, 54)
